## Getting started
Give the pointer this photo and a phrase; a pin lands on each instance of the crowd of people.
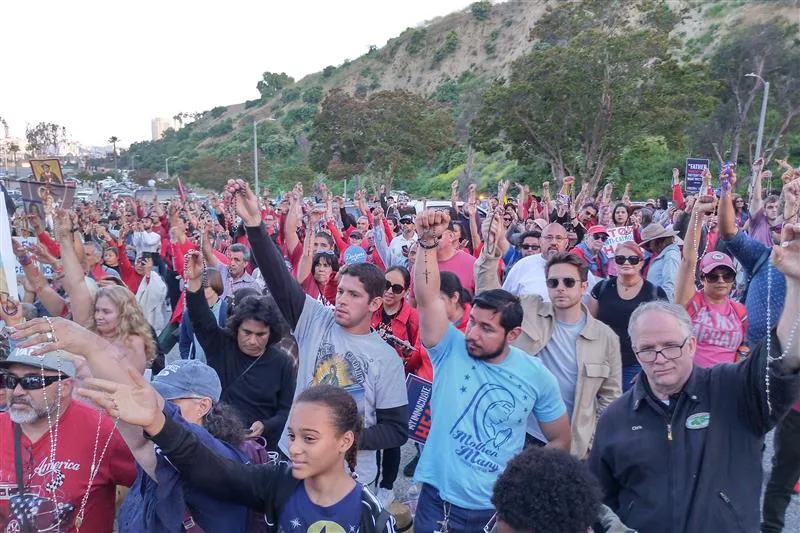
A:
(240, 364)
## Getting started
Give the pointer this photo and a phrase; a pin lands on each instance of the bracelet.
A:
(58, 269)
(428, 246)
(26, 259)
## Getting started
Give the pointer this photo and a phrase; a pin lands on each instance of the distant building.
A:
(159, 125)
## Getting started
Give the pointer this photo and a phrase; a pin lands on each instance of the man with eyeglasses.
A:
(580, 351)
(527, 276)
(681, 450)
(48, 437)
(591, 251)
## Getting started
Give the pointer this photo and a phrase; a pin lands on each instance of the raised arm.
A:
(306, 259)
(727, 216)
(685, 287)
(432, 313)
(289, 296)
(756, 202)
(454, 195)
(786, 258)
(81, 302)
(294, 217)
(486, 275)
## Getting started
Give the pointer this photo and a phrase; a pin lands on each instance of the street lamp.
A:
(255, 147)
(133, 163)
(166, 164)
(763, 112)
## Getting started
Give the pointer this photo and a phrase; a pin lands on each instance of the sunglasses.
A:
(395, 288)
(29, 382)
(568, 282)
(406, 221)
(600, 237)
(531, 247)
(622, 259)
(725, 277)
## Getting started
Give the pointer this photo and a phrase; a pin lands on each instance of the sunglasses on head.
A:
(600, 237)
(10, 381)
(568, 282)
(394, 287)
(622, 259)
(727, 276)
(530, 247)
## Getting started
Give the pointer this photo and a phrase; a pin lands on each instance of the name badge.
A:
(698, 421)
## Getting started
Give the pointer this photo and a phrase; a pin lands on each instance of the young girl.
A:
(314, 493)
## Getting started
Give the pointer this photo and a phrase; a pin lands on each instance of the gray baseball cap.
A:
(186, 378)
(57, 360)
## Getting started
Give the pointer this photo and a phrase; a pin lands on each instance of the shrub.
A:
(252, 103)
(223, 128)
(313, 95)
(290, 94)
(417, 41)
(361, 90)
(300, 114)
(481, 10)
(448, 47)
(218, 111)
(327, 71)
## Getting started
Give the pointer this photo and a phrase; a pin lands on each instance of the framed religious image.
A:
(47, 171)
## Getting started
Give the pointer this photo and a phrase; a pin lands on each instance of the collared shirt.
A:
(246, 280)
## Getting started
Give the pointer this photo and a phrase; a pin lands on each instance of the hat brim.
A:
(171, 392)
(666, 234)
(37, 362)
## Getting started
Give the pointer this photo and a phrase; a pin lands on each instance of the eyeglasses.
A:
(530, 247)
(622, 259)
(668, 352)
(407, 221)
(557, 238)
(726, 276)
(10, 381)
(600, 237)
(568, 282)
(394, 287)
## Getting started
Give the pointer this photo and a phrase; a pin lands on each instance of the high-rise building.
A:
(159, 125)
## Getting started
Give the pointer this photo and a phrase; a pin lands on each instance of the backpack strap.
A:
(383, 521)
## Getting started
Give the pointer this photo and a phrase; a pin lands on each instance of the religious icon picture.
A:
(47, 171)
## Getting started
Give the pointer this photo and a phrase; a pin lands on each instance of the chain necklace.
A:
(95, 466)
(56, 476)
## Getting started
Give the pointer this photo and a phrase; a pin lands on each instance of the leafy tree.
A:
(290, 94)
(223, 128)
(14, 149)
(44, 138)
(327, 71)
(218, 111)
(577, 103)
(481, 10)
(114, 140)
(313, 95)
(448, 47)
(416, 42)
(271, 83)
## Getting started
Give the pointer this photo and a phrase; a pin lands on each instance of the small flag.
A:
(181, 191)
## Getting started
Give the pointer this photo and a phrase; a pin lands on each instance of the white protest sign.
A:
(616, 236)
(47, 270)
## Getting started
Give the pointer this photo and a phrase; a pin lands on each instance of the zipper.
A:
(729, 504)
(669, 432)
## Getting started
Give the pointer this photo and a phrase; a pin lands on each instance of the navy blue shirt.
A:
(162, 507)
(301, 515)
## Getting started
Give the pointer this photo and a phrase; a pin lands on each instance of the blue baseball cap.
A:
(188, 378)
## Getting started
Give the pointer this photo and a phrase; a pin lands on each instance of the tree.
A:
(114, 140)
(14, 148)
(271, 83)
(44, 138)
(576, 102)
(389, 134)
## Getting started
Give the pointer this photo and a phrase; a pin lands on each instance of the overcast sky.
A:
(107, 68)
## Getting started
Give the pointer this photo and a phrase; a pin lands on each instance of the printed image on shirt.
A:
(339, 370)
(320, 526)
(41, 512)
(483, 427)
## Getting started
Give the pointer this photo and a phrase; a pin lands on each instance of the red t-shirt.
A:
(76, 437)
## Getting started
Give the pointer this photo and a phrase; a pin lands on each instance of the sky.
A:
(104, 68)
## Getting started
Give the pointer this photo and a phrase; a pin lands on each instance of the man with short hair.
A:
(483, 393)
(145, 240)
(528, 276)
(398, 248)
(234, 274)
(581, 352)
(342, 339)
(764, 224)
(41, 415)
(663, 452)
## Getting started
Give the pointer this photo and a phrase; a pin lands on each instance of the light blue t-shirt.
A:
(479, 412)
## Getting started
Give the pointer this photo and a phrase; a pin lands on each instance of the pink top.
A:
(719, 334)
(462, 265)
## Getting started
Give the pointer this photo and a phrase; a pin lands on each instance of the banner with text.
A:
(419, 408)
(616, 236)
(694, 174)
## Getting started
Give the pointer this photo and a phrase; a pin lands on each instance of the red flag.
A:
(181, 191)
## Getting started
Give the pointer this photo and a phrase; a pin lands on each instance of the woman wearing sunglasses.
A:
(614, 300)
(591, 251)
(718, 323)
(398, 323)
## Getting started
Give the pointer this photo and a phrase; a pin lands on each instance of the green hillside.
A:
(484, 94)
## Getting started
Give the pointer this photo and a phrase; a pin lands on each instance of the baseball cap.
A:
(406, 218)
(57, 361)
(715, 259)
(186, 378)
(597, 228)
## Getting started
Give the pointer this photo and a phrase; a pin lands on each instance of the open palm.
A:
(136, 404)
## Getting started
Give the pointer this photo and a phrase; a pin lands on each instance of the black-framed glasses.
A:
(622, 259)
(533, 247)
(33, 382)
(726, 277)
(568, 282)
(394, 287)
(668, 352)
(600, 237)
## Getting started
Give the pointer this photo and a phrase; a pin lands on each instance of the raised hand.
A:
(676, 173)
(494, 234)
(377, 213)
(65, 335)
(791, 208)
(42, 255)
(704, 205)
(314, 217)
(431, 223)
(193, 266)
(64, 224)
(454, 187)
(569, 180)
(786, 256)
(136, 404)
(246, 202)
(502, 190)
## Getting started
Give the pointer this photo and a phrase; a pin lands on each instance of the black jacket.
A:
(698, 470)
(260, 390)
(263, 487)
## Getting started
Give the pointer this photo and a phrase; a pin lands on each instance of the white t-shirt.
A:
(527, 277)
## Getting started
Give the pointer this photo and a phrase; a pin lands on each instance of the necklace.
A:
(95, 467)
(789, 341)
(56, 476)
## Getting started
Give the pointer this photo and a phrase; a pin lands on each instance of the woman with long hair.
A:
(317, 270)
(614, 300)
(718, 322)
(457, 300)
